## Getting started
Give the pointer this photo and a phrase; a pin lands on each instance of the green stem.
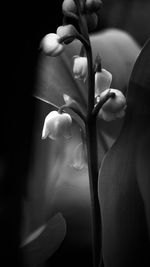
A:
(92, 153)
(74, 107)
(91, 134)
(102, 102)
(74, 36)
(91, 81)
(81, 20)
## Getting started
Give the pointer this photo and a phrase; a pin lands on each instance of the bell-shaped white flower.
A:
(57, 125)
(67, 32)
(114, 107)
(80, 67)
(50, 45)
(79, 157)
(103, 81)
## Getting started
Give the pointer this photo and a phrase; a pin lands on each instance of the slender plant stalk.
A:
(93, 180)
(92, 154)
(91, 135)
(91, 138)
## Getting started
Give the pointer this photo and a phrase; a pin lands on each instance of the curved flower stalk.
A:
(114, 107)
(103, 101)
(89, 10)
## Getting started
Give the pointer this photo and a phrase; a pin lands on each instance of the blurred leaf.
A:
(124, 184)
(42, 243)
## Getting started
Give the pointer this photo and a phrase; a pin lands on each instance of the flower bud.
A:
(67, 31)
(92, 21)
(69, 6)
(108, 116)
(57, 125)
(80, 67)
(103, 81)
(93, 5)
(50, 45)
(114, 107)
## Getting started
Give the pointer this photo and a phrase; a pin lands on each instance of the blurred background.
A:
(24, 159)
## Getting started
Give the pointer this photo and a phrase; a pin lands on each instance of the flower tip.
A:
(50, 45)
(67, 98)
(80, 67)
(69, 6)
(113, 95)
(43, 136)
(44, 132)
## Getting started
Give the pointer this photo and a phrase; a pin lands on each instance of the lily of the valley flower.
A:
(79, 157)
(68, 31)
(103, 81)
(50, 44)
(57, 125)
(80, 67)
(114, 107)
(93, 5)
(87, 6)
(92, 21)
(69, 6)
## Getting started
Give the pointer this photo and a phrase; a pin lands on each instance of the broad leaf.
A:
(44, 241)
(124, 184)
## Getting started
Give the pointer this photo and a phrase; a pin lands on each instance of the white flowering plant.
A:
(79, 18)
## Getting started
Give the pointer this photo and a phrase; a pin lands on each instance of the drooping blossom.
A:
(92, 21)
(92, 17)
(93, 5)
(80, 65)
(69, 6)
(50, 45)
(57, 125)
(87, 6)
(103, 81)
(67, 31)
(114, 107)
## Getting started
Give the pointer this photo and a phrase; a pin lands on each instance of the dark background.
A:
(23, 26)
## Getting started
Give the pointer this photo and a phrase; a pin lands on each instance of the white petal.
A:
(67, 98)
(110, 116)
(50, 44)
(80, 67)
(79, 161)
(45, 131)
(103, 81)
(48, 124)
(114, 104)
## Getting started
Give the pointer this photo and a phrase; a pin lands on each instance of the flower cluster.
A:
(81, 16)
(52, 44)
(58, 123)
(89, 8)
